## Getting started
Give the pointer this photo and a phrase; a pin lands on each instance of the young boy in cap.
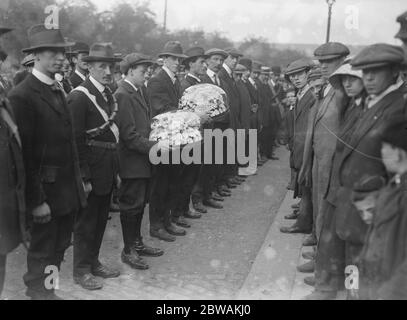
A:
(54, 187)
(384, 258)
(94, 109)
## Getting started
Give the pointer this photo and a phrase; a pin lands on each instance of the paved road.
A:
(211, 262)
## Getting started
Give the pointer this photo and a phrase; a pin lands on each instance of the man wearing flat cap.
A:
(133, 120)
(12, 182)
(54, 188)
(94, 109)
(80, 50)
(164, 92)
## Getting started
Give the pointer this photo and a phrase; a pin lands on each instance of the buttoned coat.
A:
(229, 85)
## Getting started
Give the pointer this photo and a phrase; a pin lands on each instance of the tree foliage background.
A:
(129, 27)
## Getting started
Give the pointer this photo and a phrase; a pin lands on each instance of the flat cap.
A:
(216, 51)
(298, 65)
(134, 59)
(28, 60)
(402, 19)
(395, 133)
(246, 62)
(331, 50)
(315, 74)
(234, 52)
(367, 184)
(343, 70)
(378, 55)
(240, 68)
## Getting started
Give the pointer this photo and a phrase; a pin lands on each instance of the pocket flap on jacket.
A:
(48, 174)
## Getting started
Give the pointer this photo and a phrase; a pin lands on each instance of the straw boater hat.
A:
(101, 52)
(174, 49)
(40, 37)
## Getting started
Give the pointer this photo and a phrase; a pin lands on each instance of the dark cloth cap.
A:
(80, 47)
(216, 51)
(378, 55)
(256, 66)
(402, 19)
(174, 49)
(134, 59)
(194, 52)
(234, 52)
(315, 74)
(298, 65)
(395, 133)
(276, 70)
(4, 30)
(240, 68)
(28, 60)
(246, 62)
(367, 184)
(101, 52)
(331, 50)
(40, 37)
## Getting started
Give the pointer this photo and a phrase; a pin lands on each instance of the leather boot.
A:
(216, 196)
(198, 206)
(212, 203)
(144, 250)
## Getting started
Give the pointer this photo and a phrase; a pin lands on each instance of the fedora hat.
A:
(40, 37)
(80, 47)
(174, 49)
(101, 52)
(4, 30)
(192, 53)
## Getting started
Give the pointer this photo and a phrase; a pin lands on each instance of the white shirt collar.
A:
(327, 88)
(134, 87)
(195, 77)
(252, 81)
(227, 69)
(80, 75)
(373, 99)
(43, 77)
(170, 73)
(97, 84)
(303, 91)
(272, 83)
(210, 73)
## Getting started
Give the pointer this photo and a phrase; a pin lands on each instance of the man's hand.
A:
(42, 214)
(87, 187)
(163, 145)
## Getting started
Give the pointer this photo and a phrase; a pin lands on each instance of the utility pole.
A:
(328, 28)
(165, 16)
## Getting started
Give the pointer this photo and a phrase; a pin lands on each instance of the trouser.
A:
(164, 194)
(189, 177)
(304, 220)
(47, 248)
(266, 141)
(3, 260)
(133, 195)
(89, 229)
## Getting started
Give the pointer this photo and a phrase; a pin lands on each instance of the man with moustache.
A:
(80, 50)
(54, 188)
(94, 109)
(202, 191)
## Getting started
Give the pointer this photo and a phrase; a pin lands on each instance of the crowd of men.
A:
(74, 132)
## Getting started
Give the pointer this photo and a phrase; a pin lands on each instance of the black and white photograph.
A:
(203, 156)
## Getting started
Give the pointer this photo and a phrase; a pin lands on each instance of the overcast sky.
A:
(283, 21)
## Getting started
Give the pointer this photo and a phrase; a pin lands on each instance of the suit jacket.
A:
(98, 165)
(246, 103)
(12, 185)
(301, 113)
(229, 85)
(75, 79)
(49, 149)
(264, 110)
(361, 157)
(133, 120)
(187, 82)
(162, 93)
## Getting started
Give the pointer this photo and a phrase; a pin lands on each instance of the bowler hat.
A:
(216, 51)
(134, 59)
(233, 52)
(174, 49)
(276, 70)
(4, 30)
(331, 50)
(101, 52)
(246, 62)
(378, 55)
(256, 66)
(192, 53)
(402, 19)
(80, 47)
(40, 37)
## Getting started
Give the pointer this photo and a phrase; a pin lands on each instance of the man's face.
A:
(255, 75)
(50, 61)
(291, 98)
(80, 63)
(316, 86)
(138, 74)
(246, 75)
(198, 66)
(366, 207)
(101, 71)
(299, 79)
(394, 159)
(376, 80)
(231, 62)
(215, 62)
(149, 73)
(353, 85)
(66, 68)
(329, 66)
(172, 63)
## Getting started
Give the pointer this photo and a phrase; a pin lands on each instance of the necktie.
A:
(216, 79)
(109, 99)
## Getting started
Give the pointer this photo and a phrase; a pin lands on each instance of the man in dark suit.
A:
(164, 92)
(12, 182)
(54, 188)
(133, 120)
(80, 50)
(94, 108)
